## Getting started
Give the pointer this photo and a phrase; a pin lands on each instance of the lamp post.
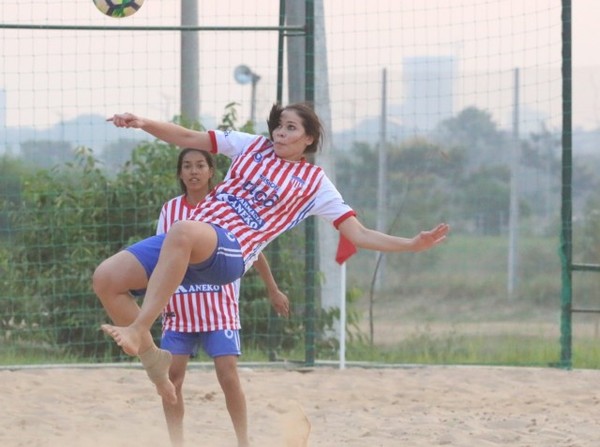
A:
(243, 75)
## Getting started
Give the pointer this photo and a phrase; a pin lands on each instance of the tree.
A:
(473, 131)
(117, 153)
(47, 153)
(11, 171)
(485, 199)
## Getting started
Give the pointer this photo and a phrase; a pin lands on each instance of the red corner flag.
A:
(345, 250)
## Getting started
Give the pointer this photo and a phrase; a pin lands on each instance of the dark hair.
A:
(210, 161)
(310, 121)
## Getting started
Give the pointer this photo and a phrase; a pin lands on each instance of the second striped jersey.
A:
(198, 307)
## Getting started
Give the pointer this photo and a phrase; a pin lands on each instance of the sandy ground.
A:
(413, 406)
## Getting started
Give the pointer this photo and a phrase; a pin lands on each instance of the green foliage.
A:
(261, 328)
(54, 252)
(589, 248)
(417, 183)
(486, 199)
(328, 343)
(460, 174)
(473, 131)
(229, 118)
(11, 171)
(69, 218)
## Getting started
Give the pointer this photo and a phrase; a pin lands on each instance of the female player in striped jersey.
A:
(269, 188)
(202, 314)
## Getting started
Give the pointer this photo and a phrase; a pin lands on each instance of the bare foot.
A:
(128, 339)
(157, 362)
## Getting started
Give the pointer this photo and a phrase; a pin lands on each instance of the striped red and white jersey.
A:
(263, 195)
(172, 211)
(200, 307)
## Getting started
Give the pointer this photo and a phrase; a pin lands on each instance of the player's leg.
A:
(224, 348)
(187, 242)
(181, 345)
(174, 411)
(235, 399)
(112, 281)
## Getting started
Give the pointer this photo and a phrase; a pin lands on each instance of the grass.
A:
(462, 349)
(478, 350)
(33, 354)
(426, 350)
(425, 346)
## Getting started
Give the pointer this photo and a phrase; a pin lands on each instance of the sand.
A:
(413, 406)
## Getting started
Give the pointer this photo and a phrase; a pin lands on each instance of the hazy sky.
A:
(51, 76)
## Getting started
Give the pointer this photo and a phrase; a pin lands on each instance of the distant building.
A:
(428, 91)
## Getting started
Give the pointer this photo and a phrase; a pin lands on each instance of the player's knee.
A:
(229, 379)
(233, 391)
(176, 378)
(181, 232)
(101, 279)
(186, 232)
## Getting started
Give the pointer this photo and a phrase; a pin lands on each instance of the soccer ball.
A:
(118, 8)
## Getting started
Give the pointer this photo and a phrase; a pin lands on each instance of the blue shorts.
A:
(214, 343)
(224, 266)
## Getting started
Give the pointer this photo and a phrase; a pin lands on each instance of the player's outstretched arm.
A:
(170, 132)
(369, 239)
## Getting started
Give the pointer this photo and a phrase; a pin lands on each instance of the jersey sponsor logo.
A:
(202, 288)
(269, 183)
(260, 197)
(243, 209)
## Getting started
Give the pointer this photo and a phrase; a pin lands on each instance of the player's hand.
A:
(280, 303)
(427, 239)
(126, 120)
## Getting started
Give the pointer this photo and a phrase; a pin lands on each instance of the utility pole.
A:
(382, 180)
(190, 68)
(513, 224)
